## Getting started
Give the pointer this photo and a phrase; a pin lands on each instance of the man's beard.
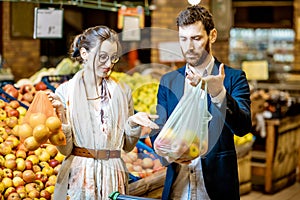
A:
(200, 57)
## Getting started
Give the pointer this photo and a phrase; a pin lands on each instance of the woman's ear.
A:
(83, 53)
(213, 35)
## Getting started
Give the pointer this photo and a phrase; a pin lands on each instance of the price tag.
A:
(48, 23)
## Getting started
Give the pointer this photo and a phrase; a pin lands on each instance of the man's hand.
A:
(215, 83)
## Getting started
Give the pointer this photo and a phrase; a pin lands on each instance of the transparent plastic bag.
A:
(185, 134)
(40, 124)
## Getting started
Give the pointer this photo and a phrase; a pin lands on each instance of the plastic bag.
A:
(185, 133)
(40, 124)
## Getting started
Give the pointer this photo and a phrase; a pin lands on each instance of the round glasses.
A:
(103, 57)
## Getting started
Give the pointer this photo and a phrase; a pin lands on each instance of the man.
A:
(214, 175)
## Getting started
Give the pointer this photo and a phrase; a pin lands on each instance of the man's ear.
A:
(213, 35)
(83, 53)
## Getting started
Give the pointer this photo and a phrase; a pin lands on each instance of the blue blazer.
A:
(219, 165)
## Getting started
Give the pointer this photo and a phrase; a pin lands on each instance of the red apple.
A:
(14, 104)
(45, 194)
(41, 176)
(28, 96)
(40, 86)
(28, 164)
(36, 168)
(12, 121)
(17, 173)
(8, 191)
(21, 153)
(8, 173)
(53, 163)
(14, 196)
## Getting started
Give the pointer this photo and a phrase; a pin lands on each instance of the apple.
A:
(36, 168)
(14, 196)
(21, 165)
(10, 156)
(33, 194)
(10, 164)
(5, 149)
(53, 163)
(31, 144)
(40, 184)
(2, 103)
(24, 131)
(1, 188)
(50, 189)
(22, 110)
(194, 150)
(48, 170)
(60, 157)
(45, 194)
(28, 176)
(41, 176)
(18, 181)
(56, 169)
(14, 104)
(28, 164)
(52, 150)
(27, 88)
(36, 119)
(3, 133)
(53, 123)
(17, 173)
(40, 86)
(21, 191)
(147, 163)
(3, 114)
(21, 153)
(58, 139)
(28, 97)
(8, 173)
(41, 133)
(8, 191)
(7, 182)
(11, 121)
(14, 139)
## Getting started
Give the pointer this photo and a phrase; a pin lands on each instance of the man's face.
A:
(195, 43)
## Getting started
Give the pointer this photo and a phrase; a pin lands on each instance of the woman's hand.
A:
(58, 105)
(143, 119)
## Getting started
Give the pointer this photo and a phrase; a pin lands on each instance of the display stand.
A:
(275, 166)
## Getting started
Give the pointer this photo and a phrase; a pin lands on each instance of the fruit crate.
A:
(7, 98)
(53, 81)
(151, 184)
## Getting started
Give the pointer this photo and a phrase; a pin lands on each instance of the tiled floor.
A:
(289, 193)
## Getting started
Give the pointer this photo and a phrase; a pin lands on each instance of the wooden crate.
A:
(275, 166)
(150, 186)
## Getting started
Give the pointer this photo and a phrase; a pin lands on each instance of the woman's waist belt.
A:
(96, 154)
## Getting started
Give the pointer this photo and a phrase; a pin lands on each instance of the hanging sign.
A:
(133, 12)
(48, 23)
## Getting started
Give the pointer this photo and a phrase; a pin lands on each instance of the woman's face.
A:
(104, 59)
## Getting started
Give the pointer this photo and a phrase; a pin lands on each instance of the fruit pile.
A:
(24, 174)
(171, 145)
(144, 90)
(141, 161)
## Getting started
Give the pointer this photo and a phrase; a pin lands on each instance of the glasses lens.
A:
(103, 58)
(114, 59)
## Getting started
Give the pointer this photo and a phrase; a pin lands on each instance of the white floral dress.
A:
(98, 126)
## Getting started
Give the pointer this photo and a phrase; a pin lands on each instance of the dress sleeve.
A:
(61, 91)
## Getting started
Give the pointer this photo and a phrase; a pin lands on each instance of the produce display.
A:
(25, 173)
(144, 90)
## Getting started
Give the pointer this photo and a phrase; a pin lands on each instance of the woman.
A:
(96, 112)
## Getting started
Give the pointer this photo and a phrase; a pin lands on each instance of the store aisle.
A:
(290, 193)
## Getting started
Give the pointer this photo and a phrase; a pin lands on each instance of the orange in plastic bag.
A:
(40, 124)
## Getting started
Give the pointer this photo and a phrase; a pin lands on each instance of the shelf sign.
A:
(48, 23)
(125, 12)
(256, 70)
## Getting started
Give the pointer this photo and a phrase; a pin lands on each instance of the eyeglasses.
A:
(103, 57)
